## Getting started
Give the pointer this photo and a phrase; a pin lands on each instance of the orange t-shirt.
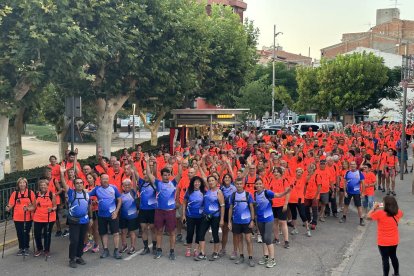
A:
(324, 180)
(183, 186)
(249, 183)
(387, 234)
(22, 199)
(52, 188)
(312, 186)
(297, 190)
(43, 202)
(278, 186)
(370, 178)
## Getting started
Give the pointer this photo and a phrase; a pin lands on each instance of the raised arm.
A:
(180, 169)
(62, 178)
(148, 169)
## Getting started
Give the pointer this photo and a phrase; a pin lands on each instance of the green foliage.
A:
(256, 95)
(344, 83)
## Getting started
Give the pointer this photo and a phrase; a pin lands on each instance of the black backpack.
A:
(233, 198)
(29, 192)
(77, 198)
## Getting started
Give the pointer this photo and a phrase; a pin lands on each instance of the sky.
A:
(316, 23)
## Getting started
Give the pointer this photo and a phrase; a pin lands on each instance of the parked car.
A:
(304, 127)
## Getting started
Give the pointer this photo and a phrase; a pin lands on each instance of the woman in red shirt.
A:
(387, 234)
(44, 217)
(296, 200)
(20, 200)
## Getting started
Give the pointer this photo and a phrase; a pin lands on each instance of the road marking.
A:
(136, 254)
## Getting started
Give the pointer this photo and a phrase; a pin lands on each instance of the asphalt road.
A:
(317, 255)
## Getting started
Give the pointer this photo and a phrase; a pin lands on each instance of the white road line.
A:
(136, 253)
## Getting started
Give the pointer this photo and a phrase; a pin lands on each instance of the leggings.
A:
(23, 233)
(39, 228)
(294, 208)
(214, 223)
(310, 204)
(389, 252)
(193, 225)
(266, 230)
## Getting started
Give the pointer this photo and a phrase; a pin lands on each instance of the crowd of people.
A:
(250, 185)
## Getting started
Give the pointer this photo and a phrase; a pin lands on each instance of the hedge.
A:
(91, 160)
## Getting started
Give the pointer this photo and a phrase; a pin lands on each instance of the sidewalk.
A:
(366, 259)
(11, 238)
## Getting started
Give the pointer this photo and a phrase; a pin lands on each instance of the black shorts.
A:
(146, 216)
(341, 190)
(94, 215)
(380, 174)
(240, 228)
(357, 199)
(130, 224)
(226, 215)
(278, 213)
(103, 224)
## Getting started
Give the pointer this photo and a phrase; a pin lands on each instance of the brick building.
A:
(266, 54)
(238, 6)
(388, 32)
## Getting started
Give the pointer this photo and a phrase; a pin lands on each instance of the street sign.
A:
(77, 135)
(408, 67)
(73, 107)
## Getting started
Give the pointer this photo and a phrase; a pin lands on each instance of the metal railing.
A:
(6, 190)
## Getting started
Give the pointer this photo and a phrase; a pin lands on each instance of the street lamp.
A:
(273, 79)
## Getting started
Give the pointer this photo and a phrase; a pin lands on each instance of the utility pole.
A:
(404, 107)
(274, 72)
(133, 126)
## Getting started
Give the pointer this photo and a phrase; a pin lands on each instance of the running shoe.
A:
(313, 226)
(179, 238)
(172, 256)
(308, 233)
(362, 222)
(388, 192)
(200, 257)
(105, 253)
(117, 254)
(342, 220)
(294, 231)
(222, 253)
(87, 247)
(58, 234)
(214, 256)
(145, 251)
(259, 238)
(233, 256)
(20, 252)
(286, 246)
(123, 249)
(195, 253)
(188, 252)
(251, 262)
(65, 233)
(72, 264)
(95, 248)
(46, 253)
(26, 252)
(322, 219)
(393, 193)
(271, 263)
(38, 253)
(276, 241)
(158, 254)
(80, 261)
(131, 250)
(263, 260)
(240, 260)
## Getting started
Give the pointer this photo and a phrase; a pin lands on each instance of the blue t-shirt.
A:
(148, 195)
(241, 209)
(166, 194)
(106, 199)
(129, 207)
(194, 204)
(78, 205)
(264, 206)
(353, 180)
(211, 203)
(227, 192)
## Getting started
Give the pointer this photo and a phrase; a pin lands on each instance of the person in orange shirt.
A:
(344, 168)
(326, 184)
(312, 191)
(390, 167)
(370, 182)
(44, 218)
(296, 200)
(278, 184)
(387, 233)
(54, 167)
(20, 200)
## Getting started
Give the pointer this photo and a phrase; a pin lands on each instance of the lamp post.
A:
(404, 111)
(133, 126)
(274, 72)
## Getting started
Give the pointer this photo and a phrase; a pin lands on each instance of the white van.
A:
(304, 127)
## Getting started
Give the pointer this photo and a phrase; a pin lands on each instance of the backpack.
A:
(28, 196)
(233, 198)
(266, 196)
(77, 198)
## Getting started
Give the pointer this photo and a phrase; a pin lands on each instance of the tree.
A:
(257, 96)
(344, 83)
(22, 45)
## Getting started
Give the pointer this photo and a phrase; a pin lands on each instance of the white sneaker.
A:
(308, 233)
(220, 231)
(259, 239)
(294, 231)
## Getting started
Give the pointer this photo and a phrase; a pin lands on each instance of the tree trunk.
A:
(15, 141)
(105, 114)
(154, 126)
(61, 131)
(154, 136)
(4, 126)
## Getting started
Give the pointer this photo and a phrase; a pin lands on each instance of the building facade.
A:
(390, 34)
(238, 6)
(291, 59)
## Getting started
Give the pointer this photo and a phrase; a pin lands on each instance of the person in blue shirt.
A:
(128, 220)
(78, 218)
(193, 212)
(241, 214)
(213, 216)
(147, 205)
(265, 220)
(354, 180)
(227, 188)
(110, 203)
(165, 211)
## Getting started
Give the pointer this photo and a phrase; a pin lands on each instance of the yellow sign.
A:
(225, 116)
